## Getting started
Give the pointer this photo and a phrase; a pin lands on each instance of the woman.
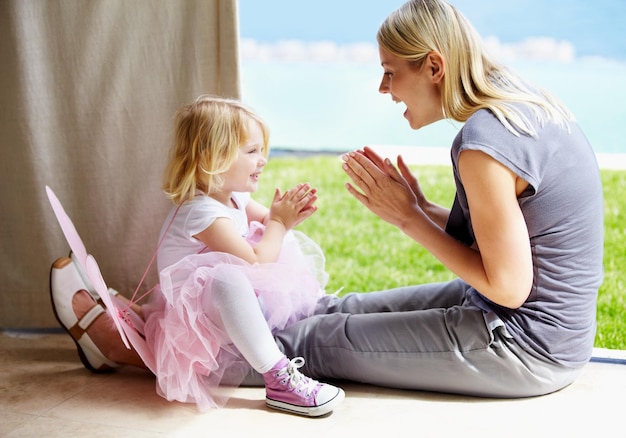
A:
(524, 235)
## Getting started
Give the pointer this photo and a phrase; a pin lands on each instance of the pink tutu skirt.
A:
(195, 359)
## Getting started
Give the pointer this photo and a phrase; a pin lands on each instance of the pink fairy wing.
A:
(86, 260)
(71, 235)
(95, 276)
(127, 329)
(133, 326)
(141, 347)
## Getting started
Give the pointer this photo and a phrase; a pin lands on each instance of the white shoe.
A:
(65, 282)
(88, 285)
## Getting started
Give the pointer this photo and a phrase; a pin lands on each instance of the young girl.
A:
(231, 270)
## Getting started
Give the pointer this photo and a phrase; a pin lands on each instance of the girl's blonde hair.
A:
(472, 80)
(208, 135)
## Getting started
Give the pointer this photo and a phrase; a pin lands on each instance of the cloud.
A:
(297, 51)
(311, 52)
(535, 49)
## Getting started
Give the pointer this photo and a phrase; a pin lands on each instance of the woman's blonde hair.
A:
(472, 80)
(208, 135)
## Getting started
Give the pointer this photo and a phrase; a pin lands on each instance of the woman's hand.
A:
(294, 206)
(404, 171)
(389, 194)
(435, 212)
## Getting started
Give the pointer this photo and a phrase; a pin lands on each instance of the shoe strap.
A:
(83, 324)
(112, 292)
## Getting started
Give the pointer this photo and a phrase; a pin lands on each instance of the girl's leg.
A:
(458, 349)
(235, 304)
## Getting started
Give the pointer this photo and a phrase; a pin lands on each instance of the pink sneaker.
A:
(287, 389)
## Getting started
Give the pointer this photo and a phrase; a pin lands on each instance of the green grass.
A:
(364, 253)
(611, 303)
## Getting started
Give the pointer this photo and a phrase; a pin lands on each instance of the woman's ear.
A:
(437, 66)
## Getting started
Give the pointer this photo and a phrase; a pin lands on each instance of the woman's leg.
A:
(377, 338)
(402, 299)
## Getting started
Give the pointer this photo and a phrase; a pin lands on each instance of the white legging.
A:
(234, 304)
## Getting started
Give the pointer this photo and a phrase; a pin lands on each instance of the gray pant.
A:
(426, 337)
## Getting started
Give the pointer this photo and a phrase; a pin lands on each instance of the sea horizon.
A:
(428, 155)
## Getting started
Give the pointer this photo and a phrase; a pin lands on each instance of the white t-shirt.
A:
(192, 218)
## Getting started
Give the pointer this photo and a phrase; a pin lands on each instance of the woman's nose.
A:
(383, 87)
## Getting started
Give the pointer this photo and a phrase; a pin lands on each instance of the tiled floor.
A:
(45, 392)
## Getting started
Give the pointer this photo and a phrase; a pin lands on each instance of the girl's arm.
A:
(502, 269)
(257, 212)
(286, 212)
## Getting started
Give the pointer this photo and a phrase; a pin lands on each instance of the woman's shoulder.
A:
(481, 121)
(485, 127)
(482, 127)
(484, 132)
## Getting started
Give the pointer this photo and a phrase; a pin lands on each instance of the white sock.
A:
(242, 318)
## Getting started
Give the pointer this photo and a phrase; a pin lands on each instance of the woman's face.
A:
(418, 88)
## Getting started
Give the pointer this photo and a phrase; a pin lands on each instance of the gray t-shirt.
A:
(563, 209)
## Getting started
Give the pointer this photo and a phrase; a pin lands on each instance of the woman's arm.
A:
(502, 270)
(501, 232)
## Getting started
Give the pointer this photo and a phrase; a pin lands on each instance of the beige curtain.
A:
(88, 90)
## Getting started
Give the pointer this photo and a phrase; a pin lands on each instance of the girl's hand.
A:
(294, 206)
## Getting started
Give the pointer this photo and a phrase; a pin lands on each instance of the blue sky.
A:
(311, 68)
(593, 27)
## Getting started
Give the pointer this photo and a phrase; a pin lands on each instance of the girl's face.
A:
(243, 174)
(417, 88)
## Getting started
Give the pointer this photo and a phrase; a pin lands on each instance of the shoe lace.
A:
(296, 379)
